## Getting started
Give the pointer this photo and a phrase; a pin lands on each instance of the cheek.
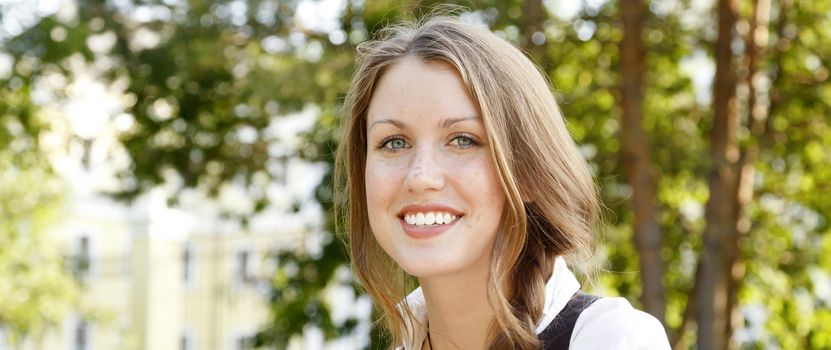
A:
(482, 190)
(382, 180)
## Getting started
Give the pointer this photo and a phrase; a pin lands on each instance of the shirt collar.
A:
(558, 291)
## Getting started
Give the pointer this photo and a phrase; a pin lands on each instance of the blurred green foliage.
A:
(35, 284)
(212, 72)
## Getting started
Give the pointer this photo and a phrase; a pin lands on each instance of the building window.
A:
(188, 265)
(244, 266)
(127, 261)
(243, 343)
(187, 341)
(82, 336)
(2, 339)
(83, 260)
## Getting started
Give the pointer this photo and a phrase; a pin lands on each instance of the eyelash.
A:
(382, 145)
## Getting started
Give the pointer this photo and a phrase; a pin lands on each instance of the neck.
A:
(458, 311)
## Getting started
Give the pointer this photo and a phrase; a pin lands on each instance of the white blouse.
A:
(607, 324)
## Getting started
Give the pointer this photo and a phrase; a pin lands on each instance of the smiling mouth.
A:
(429, 219)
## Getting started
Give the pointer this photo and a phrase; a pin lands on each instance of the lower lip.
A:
(426, 231)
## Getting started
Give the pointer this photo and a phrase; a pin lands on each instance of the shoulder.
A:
(612, 323)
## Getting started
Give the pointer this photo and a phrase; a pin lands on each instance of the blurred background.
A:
(165, 166)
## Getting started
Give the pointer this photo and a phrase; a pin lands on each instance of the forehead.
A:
(415, 90)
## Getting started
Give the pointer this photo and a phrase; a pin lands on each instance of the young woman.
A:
(456, 170)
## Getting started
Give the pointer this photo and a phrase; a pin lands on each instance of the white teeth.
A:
(429, 218)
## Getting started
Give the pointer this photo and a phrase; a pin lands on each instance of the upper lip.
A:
(425, 208)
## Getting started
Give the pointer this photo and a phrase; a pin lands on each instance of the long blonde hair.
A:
(551, 200)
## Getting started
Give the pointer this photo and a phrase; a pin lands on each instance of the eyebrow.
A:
(445, 123)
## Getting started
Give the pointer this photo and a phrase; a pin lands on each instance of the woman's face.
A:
(433, 196)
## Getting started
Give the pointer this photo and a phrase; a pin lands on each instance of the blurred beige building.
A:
(156, 278)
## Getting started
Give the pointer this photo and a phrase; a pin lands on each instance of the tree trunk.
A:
(757, 38)
(720, 233)
(637, 158)
(680, 341)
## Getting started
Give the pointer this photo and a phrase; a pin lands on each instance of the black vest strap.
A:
(557, 336)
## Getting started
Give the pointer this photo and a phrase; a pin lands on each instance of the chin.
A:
(421, 271)
(426, 268)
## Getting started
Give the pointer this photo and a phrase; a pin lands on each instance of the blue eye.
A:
(463, 141)
(392, 144)
(396, 143)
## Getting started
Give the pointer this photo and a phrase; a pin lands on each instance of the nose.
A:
(425, 172)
